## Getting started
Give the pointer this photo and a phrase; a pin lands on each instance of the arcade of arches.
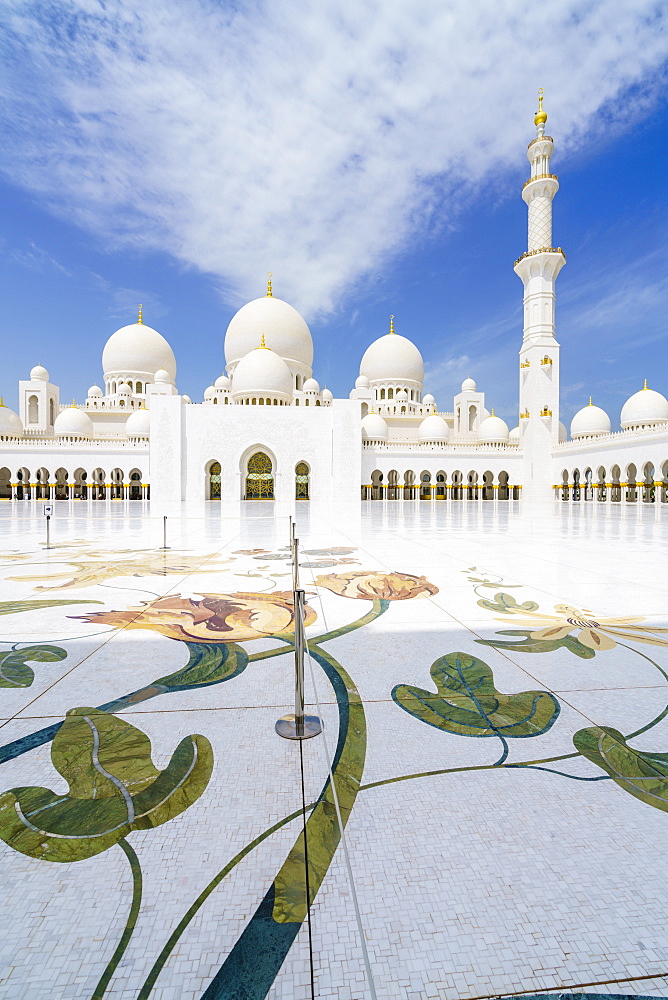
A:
(80, 484)
(438, 486)
(631, 485)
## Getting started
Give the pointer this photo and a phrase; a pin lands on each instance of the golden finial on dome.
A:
(140, 318)
(541, 116)
(493, 413)
(590, 402)
(2, 402)
(270, 293)
(262, 343)
(392, 323)
(645, 385)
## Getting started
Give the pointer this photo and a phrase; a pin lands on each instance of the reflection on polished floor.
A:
(493, 681)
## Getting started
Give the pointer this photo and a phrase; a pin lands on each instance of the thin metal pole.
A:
(299, 662)
(48, 533)
(164, 532)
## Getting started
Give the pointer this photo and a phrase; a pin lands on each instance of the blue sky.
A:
(370, 154)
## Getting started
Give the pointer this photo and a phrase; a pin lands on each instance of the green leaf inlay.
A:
(14, 669)
(467, 703)
(114, 788)
(506, 604)
(529, 645)
(644, 775)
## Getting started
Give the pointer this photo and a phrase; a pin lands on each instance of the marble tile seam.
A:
(569, 987)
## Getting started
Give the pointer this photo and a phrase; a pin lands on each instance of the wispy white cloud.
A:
(36, 258)
(315, 140)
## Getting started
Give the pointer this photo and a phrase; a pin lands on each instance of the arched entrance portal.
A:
(301, 481)
(259, 477)
(214, 481)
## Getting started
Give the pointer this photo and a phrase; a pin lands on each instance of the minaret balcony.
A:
(532, 253)
(539, 177)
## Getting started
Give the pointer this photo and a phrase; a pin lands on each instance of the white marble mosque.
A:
(138, 437)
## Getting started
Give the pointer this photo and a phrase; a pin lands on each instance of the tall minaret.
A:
(539, 355)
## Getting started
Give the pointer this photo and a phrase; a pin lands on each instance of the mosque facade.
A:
(265, 429)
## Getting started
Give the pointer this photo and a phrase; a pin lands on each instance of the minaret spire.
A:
(538, 269)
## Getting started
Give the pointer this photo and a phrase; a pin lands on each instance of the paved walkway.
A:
(494, 687)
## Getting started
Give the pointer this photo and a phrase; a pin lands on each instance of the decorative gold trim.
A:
(546, 360)
(525, 364)
(539, 177)
(532, 253)
(525, 415)
(545, 412)
(541, 138)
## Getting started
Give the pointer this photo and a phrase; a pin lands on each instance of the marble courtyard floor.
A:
(494, 687)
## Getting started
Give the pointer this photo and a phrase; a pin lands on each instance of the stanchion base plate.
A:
(287, 727)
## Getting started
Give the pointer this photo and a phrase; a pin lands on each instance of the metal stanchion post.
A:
(48, 511)
(298, 726)
(164, 533)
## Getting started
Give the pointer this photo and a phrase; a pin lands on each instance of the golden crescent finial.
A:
(262, 343)
(140, 318)
(645, 385)
(541, 116)
(392, 323)
(270, 293)
(590, 401)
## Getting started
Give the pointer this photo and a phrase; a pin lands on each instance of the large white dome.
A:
(10, 422)
(285, 331)
(644, 408)
(392, 358)
(433, 428)
(374, 428)
(73, 422)
(493, 430)
(137, 349)
(590, 421)
(138, 424)
(263, 372)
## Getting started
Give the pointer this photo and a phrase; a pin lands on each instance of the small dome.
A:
(264, 372)
(402, 396)
(285, 331)
(162, 377)
(468, 385)
(137, 349)
(392, 358)
(73, 422)
(327, 395)
(124, 389)
(311, 385)
(186, 399)
(433, 428)
(223, 382)
(210, 392)
(429, 400)
(646, 407)
(590, 421)
(514, 436)
(361, 382)
(95, 391)
(39, 374)
(563, 433)
(493, 430)
(138, 423)
(10, 422)
(374, 428)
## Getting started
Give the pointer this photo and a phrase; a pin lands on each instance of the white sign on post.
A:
(48, 509)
